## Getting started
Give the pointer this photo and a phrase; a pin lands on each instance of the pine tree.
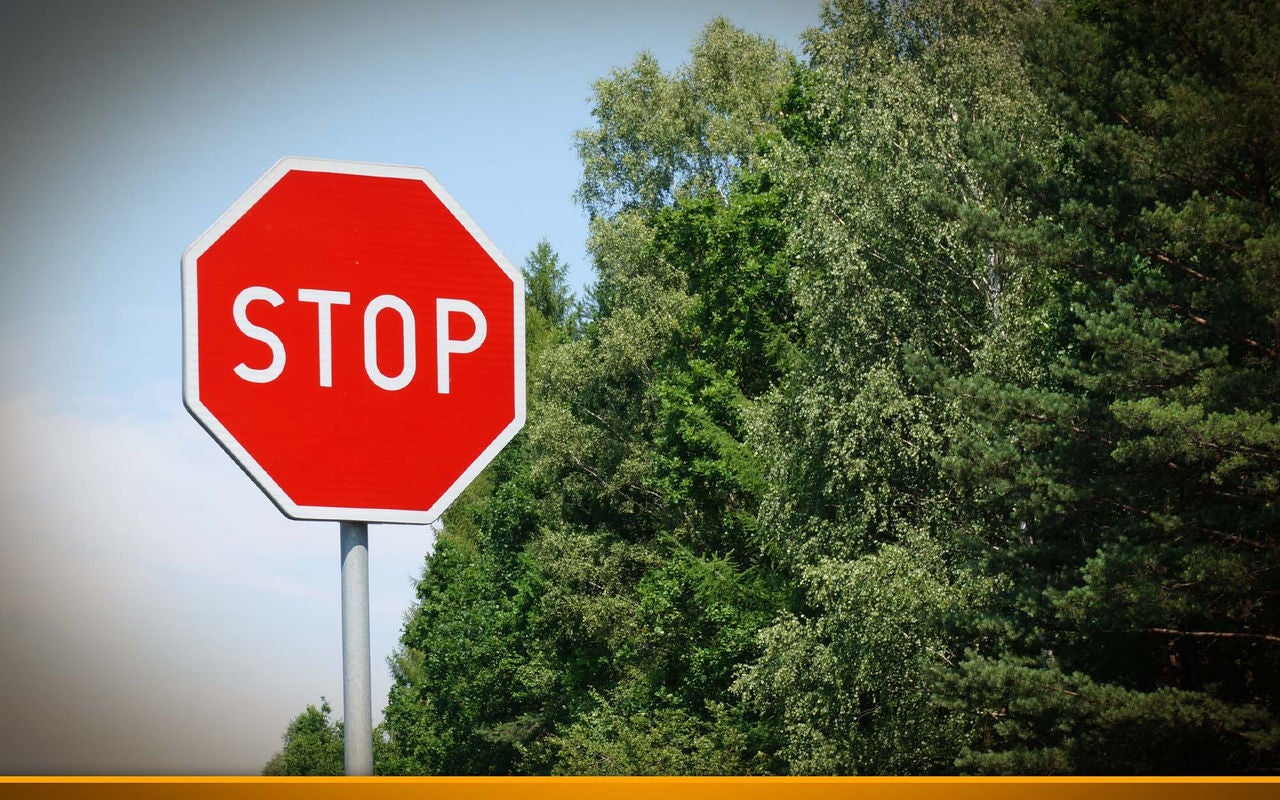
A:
(1139, 478)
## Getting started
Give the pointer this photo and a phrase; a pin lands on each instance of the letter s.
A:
(271, 371)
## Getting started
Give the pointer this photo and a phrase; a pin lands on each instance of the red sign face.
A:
(354, 341)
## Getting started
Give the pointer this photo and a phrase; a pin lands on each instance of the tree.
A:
(660, 136)
(312, 745)
(467, 691)
(1028, 462)
(550, 305)
(1138, 479)
(901, 143)
(596, 578)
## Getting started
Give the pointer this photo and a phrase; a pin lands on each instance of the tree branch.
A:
(1259, 637)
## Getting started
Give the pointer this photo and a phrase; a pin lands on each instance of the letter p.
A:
(446, 346)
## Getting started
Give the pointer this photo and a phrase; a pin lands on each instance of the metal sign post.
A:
(357, 698)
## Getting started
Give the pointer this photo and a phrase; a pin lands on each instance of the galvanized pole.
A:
(357, 701)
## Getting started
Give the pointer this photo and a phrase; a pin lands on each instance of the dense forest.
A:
(923, 418)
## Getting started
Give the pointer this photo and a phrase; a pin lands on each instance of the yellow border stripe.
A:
(153, 788)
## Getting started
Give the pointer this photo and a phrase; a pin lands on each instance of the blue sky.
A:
(158, 614)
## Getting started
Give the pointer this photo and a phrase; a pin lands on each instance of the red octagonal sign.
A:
(353, 340)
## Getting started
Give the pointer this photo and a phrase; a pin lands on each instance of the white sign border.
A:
(190, 344)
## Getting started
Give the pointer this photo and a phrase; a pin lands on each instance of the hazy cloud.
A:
(158, 613)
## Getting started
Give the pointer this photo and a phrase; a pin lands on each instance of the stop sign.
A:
(354, 341)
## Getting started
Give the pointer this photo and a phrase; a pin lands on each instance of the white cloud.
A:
(159, 614)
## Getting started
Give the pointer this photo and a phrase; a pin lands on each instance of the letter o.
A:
(393, 303)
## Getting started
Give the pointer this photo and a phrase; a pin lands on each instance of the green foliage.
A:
(662, 136)
(1036, 719)
(551, 309)
(456, 706)
(909, 136)
(922, 417)
(663, 741)
(1138, 477)
(312, 745)
(1006, 365)
(599, 570)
